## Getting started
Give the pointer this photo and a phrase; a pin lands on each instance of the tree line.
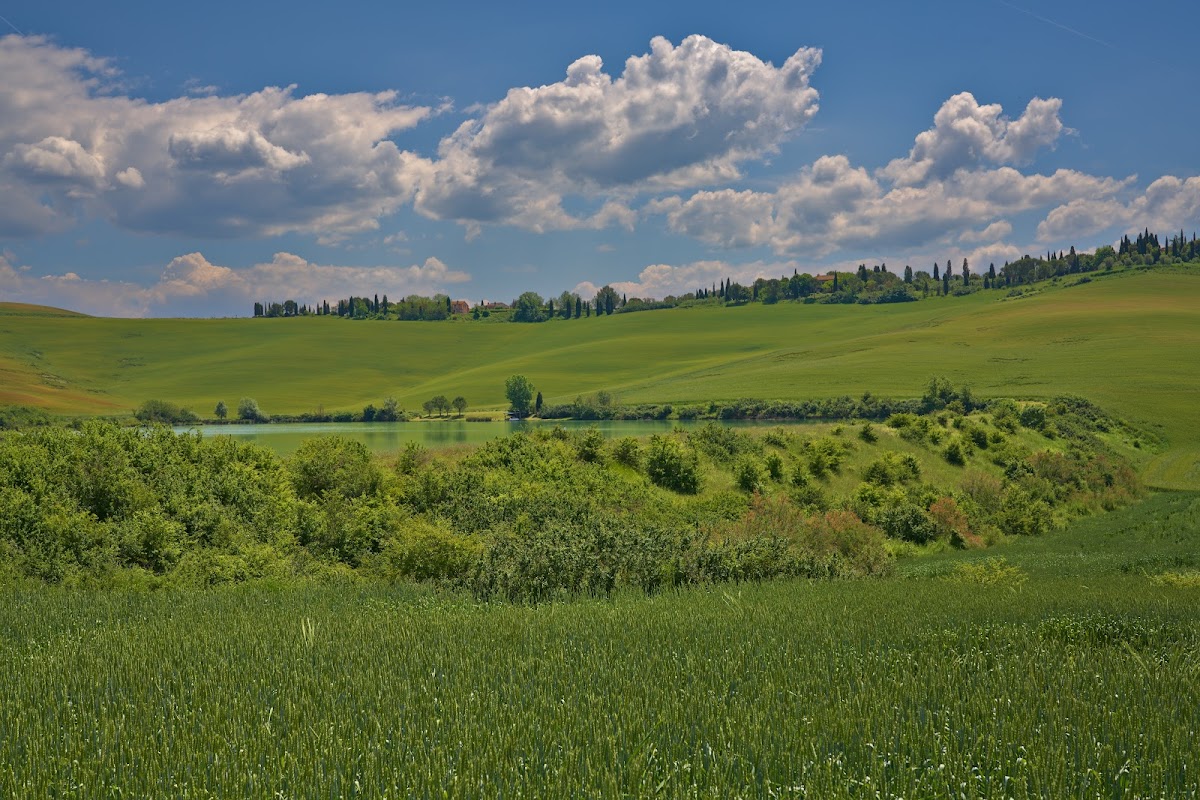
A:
(866, 285)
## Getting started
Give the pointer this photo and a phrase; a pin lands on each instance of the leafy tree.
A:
(606, 300)
(460, 404)
(391, 408)
(222, 410)
(248, 409)
(519, 391)
(428, 407)
(528, 308)
(566, 303)
(441, 404)
(538, 404)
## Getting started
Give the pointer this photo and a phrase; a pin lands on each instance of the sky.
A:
(164, 159)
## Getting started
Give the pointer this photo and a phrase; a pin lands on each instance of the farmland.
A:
(1121, 340)
(1068, 671)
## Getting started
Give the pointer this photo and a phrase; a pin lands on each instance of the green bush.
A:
(748, 474)
(333, 464)
(673, 466)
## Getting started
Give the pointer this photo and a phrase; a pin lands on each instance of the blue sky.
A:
(158, 159)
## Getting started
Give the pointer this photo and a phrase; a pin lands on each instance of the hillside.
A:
(1126, 341)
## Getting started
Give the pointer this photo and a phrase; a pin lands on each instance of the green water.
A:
(386, 437)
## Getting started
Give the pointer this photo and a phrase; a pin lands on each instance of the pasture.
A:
(1125, 341)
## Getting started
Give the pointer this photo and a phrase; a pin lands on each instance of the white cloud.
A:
(966, 135)
(954, 185)
(256, 164)
(1168, 204)
(992, 233)
(678, 116)
(190, 284)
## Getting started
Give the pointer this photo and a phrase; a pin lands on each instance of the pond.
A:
(386, 437)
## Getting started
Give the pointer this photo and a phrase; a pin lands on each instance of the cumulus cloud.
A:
(958, 183)
(1167, 204)
(190, 284)
(256, 164)
(992, 233)
(966, 135)
(678, 116)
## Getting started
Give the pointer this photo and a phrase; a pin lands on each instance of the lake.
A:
(386, 437)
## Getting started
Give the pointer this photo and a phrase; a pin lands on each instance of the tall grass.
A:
(1073, 683)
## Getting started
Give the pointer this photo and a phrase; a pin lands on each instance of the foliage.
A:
(519, 391)
(248, 410)
(672, 465)
(164, 412)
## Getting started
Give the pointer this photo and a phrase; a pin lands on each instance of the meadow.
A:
(1123, 340)
(1067, 670)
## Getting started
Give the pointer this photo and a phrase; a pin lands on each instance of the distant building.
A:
(460, 307)
(823, 278)
(492, 306)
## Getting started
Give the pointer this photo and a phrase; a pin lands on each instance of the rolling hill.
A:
(1128, 341)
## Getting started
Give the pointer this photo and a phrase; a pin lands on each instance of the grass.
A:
(1120, 340)
(1079, 681)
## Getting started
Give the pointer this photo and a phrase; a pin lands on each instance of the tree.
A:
(606, 300)
(222, 410)
(248, 409)
(566, 304)
(441, 404)
(428, 407)
(908, 274)
(519, 391)
(528, 308)
(460, 404)
(390, 411)
(537, 406)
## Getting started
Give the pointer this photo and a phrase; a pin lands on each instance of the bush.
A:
(165, 413)
(748, 474)
(672, 466)
(868, 434)
(423, 551)
(333, 464)
(627, 451)
(248, 410)
(774, 465)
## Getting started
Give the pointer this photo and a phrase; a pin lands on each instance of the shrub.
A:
(248, 410)
(591, 446)
(423, 551)
(333, 464)
(956, 453)
(774, 465)
(748, 474)
(163, 412)
(1034, 417)
(672, 466)
(627, 451)
(989, 572)
(867, 434)
(906, 521)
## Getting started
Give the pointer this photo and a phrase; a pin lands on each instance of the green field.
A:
(1074, 677)
(1127, 341)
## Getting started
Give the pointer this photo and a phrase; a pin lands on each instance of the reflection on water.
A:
(386, 437)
